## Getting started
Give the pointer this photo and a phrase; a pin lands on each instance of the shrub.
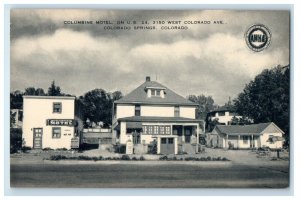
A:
(142, 158)
(61, 149)
(208, 158)
(16, 141)
(225, 159)
(109, 158)
(58, 157)
(125, 157)
(94, 158)
(134, 158)
(48, 149)
(119, 148)
(84, 158)
(25, 149)
(163, 158)
(174, 158)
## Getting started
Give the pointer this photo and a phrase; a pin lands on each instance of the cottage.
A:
(49, 121)
(152, 112)
(246, 136)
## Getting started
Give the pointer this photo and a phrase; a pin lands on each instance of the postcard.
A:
(104, 98)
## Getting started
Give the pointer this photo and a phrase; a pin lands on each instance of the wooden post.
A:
(226, 142)
(252, 141)
(197, 143)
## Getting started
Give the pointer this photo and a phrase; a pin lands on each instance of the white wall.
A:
(264, 138)
(157, 111)
(124, 111)
(36, 111)
(188, 112)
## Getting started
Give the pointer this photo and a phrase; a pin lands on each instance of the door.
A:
(167, 146)
(37, 138)
(187, 136)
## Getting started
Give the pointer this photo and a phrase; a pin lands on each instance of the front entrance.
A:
(167, 146)
(37, 138)
(187, 136)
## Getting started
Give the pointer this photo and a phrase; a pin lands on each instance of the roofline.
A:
(49, 97)
(156, 103)
(126, 119)
(275, 127)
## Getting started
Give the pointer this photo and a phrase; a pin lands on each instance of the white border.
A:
(216, 192)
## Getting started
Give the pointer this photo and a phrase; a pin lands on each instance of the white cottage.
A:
(154, 112)
(246, 136)
(48, 121)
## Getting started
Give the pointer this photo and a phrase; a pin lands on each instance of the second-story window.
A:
(176, 111)
(57, 107)
(137, 111)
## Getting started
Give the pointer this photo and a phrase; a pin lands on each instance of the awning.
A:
(134, 125)
(275, 139)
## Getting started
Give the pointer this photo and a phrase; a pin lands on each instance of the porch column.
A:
(252, 141)
(197, 143)
(158, 145)
(238, 142)
(183, 137)
(226, 142)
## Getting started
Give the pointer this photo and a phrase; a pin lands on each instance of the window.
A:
(157, 92)
(137, 111)
(156, 130)
(162, 130)
(245, 139)
(221, 113)
(271, 141)
(150, 129)
(145, 130)
(152, 92)
(171, 141)
(136, 138)
(56, 132)
(176, 111)
(164, 140)
(57, 107)
(168, 130)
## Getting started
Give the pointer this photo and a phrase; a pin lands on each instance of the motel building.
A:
(246, 136)
(152, 113)
(49, 122)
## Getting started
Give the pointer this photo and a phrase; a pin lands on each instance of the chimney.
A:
(148, 78)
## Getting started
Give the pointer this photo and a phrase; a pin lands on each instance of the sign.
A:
(75, 143)
(60, 122)
(129, 148)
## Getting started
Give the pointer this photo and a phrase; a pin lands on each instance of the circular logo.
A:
(258, 37)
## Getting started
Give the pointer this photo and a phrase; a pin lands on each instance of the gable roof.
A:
(254, 129)
(139, 95)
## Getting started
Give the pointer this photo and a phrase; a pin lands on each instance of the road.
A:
(148, 175)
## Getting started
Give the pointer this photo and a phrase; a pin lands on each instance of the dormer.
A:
(154, 91)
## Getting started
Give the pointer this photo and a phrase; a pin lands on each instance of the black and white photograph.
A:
(139, 98)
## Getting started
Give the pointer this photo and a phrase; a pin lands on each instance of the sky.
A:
(210, 59)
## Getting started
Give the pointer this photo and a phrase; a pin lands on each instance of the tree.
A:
(205, 105)
(97, 106)
(40, 92)
(16, 100)
(29, 91)
(54, 90)
(117, 95)
(240, 121)
(266, 98)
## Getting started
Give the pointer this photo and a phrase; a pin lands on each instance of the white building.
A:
(224, 115)
(246, 136)
(48, 121)
(154, 112)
